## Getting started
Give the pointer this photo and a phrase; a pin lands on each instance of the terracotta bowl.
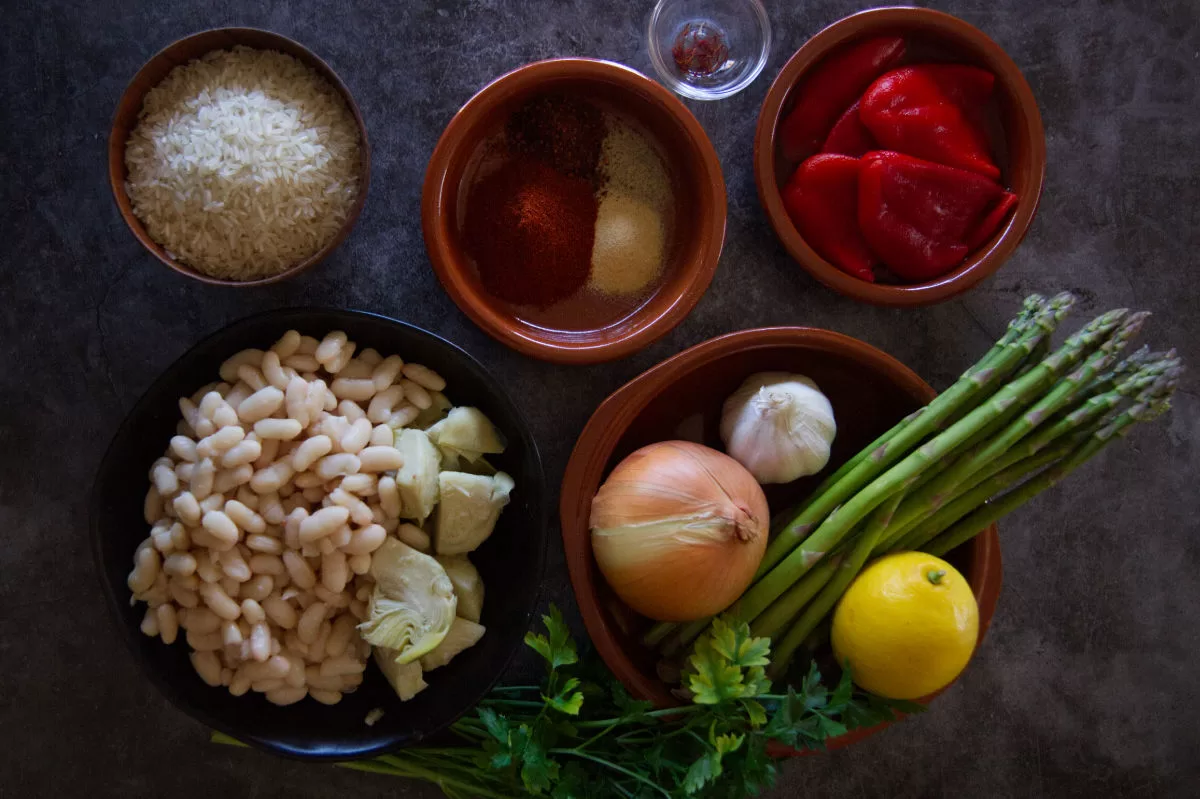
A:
(681, 398)
(698, 185)
(181, 52)
(1021, 149)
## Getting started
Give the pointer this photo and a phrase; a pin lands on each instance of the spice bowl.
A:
(681, 398)
(708, 49)
(182, 52)
(692, 191)
(1016, 137)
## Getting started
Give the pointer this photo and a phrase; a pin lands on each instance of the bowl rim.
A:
(117, 171)
(117, 606)
(453, 272)
(611, 419)
(981, 263)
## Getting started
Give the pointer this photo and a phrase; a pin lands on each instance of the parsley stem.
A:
(512, 702)
(670, 711)
(507, 688)
(613, 766)
(412, 770)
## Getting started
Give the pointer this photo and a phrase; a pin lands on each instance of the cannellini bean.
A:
(225, 415)
(244, 452)
(384, 403)
(416, 394)
(386, 372)
(152, 507)
(322, 523)
(220, 441)
(357, 437)
(247, 497)
(204, 642)
(414, 536)
(253, 612)
(359, 564)
(382, 436)
(359, 512)
(280, 612)
(234, 398)
(270, 451)
(331, 347)
(180, 564)
(309, 625)
(335, 573)
(363, 485)
(404, 415)
(359, 390)
(201, 621)
(271, 509)
(181, 595)
(379, 459)
(264, 543)
(212, 502)
(310, 451)
(285, 429)
(339, 636)
(286, 695)
(190, 413)
(206, 569)
(288, 344)
(221, 528)
(235, 566)
(168, 623)
(146, 564)
(251, 376)
(149, 625)
(219, 602)
(370, 357)
(163, 541)
(260, 586)
(260, 404)
(301, 363)
(356, 369)
(308, 480)
(231, 635)
(231, 587)
(298, 569)
(244, 517)
(209, 404)
(272, 371)
(272, 478)
(260, 641)
(358, 609)
(202, 478)
(265, 563)
(296, 398)
(343, 463)
(183, 471)
(227, 480)
(351, 410)
(165, 480)
(342, 665)
(326, 697)
(207, 666)
(183, 448)
(365, 540)
(389, 497)
(315, 400)
(229, 369)
(341, 360)
(424, 377)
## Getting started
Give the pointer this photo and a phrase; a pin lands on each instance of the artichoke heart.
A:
(470, 506)
(468, 433)
(405, 678)
(463, 635)
(417, 478)
(468, 586)
(413, 605)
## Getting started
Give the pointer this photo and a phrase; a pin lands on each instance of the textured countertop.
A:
(1086, 684)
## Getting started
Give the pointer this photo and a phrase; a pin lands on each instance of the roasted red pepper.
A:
(834, 84)
(821, 197)
(850, 136)
(924, 218)
(935, 112)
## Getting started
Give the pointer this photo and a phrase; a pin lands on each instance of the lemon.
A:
(907, 626)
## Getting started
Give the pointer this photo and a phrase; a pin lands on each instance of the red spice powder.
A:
(530, 229)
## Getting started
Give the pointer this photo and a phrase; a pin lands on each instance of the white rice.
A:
(243, 163)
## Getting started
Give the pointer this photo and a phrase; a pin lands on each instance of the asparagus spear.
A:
(936, 491)
(833, 589)
(992, 370)
(907, 471)
(1153, 404)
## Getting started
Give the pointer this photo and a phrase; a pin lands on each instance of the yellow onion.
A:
(678, 530)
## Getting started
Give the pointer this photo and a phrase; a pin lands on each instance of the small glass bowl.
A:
(724, 42)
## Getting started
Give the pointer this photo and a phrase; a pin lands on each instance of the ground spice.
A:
(530, 229)
(565, 132)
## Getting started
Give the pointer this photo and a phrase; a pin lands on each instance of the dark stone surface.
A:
(1085, 686)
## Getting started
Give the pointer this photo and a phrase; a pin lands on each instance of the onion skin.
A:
(678, 530)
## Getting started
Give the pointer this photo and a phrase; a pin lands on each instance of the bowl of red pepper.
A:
(900, 156)
(574, 209)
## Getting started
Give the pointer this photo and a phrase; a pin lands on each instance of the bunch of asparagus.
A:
(1015, 424)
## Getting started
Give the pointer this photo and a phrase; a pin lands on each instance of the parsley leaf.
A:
(558, 649)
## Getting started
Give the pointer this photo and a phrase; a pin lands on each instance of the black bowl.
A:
(510, 562)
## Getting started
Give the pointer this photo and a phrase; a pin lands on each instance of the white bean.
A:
(230, 586)
(184, 470)
(384, 403)
(272, 370)
(359, 512)
(190, 413)
(209, 404)
(229, 369)
(168, 623)
(202, 478)
(348, 388)
(356, 369)
(260, 641)
(322, 523)
(335, 573)
(365, 540)
(264, 543)
(149, 625)
(342, 359)
(165, 480)
(201, 621)
(271, 509)
(382, 436)
(351, 410)
(342, 463)
(235, 566)
(251, 376)
(280, 612)
(389, 497)
(264, 563)
(341, 666)
(253, 612)
(326, 697)
(244, 452)
(207, 666)
(363, 485)
(298, 569)
(220, 441)
(272, 478)
(219, 602)
(357, 437)
(244, 517)
(221, 528)
(180, 564)
(309, 625)
(379, 459)
(416, 394)
(231, 635)
(182, 595)
(302, 363)
(288, 344)
(183, 448)
(234, 398)
(212, 502)
(146, 564)
(386, 372)
(424, 377)
(259, 587)
(359, 564)
(286, 695)
(414, 536)
(284, 429)
(331, 347)
(315, 400)
(404, 415)
(228, 479)
(270, 452)
(152, 507)
(204, 642)
(260, 404)
(310, 451)
(247, 497)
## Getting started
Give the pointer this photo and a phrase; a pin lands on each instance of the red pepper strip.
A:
(933, 111)
(850, 136)
(829, 90)
(821, 197)
(924, 218)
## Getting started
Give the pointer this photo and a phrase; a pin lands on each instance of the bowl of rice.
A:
(238, 157)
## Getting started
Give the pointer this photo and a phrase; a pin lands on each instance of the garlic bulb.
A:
(779, 426)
